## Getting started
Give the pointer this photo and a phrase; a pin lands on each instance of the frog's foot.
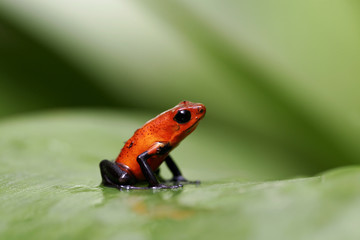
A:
(160, 186)
(196, 182)
(182, 180)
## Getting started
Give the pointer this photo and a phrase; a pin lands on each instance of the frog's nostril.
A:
(201, 109)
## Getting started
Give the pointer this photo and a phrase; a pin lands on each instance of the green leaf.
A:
(49, 188)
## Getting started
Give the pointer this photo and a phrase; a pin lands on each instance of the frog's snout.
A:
(201, 110)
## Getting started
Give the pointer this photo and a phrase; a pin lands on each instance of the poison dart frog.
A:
(150, 145)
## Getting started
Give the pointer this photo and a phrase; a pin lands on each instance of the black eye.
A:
(182, 116)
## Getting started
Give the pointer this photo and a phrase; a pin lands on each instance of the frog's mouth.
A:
(192, 127)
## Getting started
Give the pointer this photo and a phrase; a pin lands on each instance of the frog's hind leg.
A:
(113, 176)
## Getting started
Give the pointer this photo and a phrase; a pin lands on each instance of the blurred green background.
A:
(280, 80)
(282, 77)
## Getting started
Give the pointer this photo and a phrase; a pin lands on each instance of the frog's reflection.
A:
(111, 193)
(156, 204)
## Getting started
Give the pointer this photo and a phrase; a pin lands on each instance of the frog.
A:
(141, 156)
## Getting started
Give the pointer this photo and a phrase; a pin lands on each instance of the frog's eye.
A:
(182, 116)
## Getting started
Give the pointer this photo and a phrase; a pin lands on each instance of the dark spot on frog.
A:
(131, 144)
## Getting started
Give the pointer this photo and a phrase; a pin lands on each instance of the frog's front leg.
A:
(150, 175)
(177, 176)
(157, 149)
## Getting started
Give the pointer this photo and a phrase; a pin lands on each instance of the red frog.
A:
(150, 145)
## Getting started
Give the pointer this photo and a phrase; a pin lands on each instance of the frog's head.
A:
(186, 116)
